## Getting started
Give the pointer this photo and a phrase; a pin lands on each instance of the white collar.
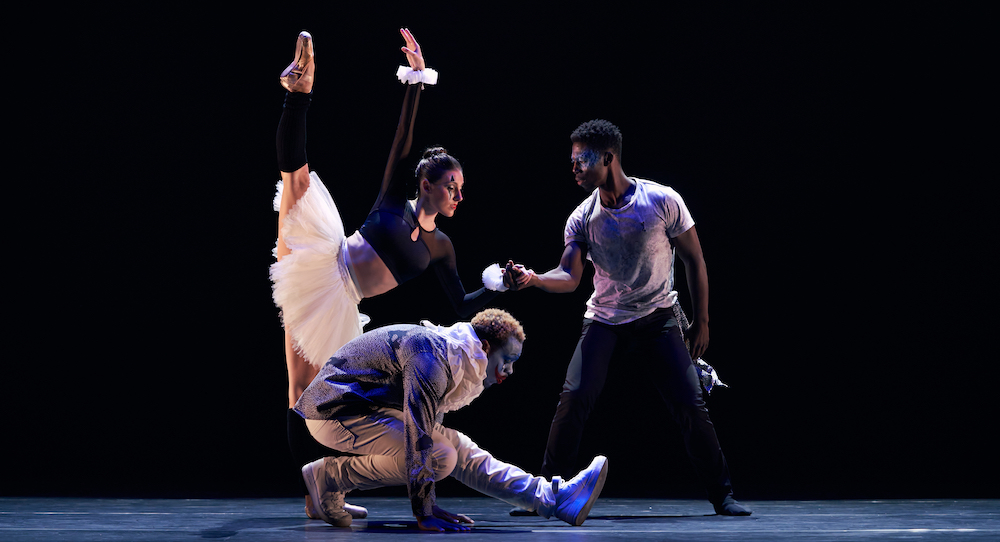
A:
(468, 362)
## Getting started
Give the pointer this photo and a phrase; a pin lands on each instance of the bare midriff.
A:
(371, 273)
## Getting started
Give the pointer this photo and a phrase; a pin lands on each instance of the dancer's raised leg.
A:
(290, 142)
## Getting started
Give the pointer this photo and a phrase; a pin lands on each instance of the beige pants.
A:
(378, 440)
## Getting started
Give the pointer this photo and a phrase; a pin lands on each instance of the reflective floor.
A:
(45, 519)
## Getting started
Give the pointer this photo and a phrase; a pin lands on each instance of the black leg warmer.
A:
(291, 137)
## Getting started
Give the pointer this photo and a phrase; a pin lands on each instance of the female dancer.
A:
(321, 275)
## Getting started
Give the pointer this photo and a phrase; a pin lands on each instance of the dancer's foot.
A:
(299, 75)
(575, 498)
(730, 507)
(328, 502)
(356, 512)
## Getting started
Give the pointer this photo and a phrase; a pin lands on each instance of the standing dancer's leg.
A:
(668, 364)
(585, 377)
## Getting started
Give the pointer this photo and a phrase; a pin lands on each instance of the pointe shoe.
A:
(299, 75)
(328, 502)
(575, 498)
(356, 512)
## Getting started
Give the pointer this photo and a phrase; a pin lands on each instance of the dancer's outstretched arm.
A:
(563, 278)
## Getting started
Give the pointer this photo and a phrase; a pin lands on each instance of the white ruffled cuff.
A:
(493, 278)
(407, 75)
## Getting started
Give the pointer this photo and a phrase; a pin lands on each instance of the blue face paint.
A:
(586, 159)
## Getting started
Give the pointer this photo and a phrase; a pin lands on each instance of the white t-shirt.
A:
(631, 251)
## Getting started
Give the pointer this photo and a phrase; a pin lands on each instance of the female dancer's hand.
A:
(412, 50)
(442, 520)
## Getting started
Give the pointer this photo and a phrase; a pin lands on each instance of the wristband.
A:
(493, 278)
(410, 76)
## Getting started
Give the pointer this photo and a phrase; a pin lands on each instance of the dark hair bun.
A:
(434, 163)
(434, 151)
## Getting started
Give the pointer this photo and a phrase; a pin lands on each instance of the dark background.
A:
(826, 152)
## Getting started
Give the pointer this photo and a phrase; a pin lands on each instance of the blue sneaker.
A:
(575, 498)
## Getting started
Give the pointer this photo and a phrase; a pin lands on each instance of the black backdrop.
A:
(814, 146)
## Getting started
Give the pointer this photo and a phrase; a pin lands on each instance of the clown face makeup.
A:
(445, 195)
(584, 158)
(501, 362)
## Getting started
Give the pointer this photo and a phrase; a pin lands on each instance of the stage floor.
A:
(156, 520)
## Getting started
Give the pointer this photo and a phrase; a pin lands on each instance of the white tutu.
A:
(312, 285)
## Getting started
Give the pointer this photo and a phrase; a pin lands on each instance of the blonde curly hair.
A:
(496, 326)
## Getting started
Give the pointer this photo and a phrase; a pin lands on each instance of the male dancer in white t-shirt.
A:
(630, 229)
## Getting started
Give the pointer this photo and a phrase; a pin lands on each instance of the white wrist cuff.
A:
(493, 278)
(409, 76)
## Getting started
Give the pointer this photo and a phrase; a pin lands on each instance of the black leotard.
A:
(391, 221)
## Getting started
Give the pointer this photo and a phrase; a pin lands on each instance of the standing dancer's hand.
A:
(698, 339)
(412, 50)
(516, 276)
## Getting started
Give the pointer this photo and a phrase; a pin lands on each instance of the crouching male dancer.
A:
(382, 397)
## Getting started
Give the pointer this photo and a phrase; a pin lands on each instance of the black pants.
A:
(653, 351)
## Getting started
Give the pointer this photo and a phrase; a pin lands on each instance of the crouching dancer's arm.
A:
(443, 520)
(425, 382)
